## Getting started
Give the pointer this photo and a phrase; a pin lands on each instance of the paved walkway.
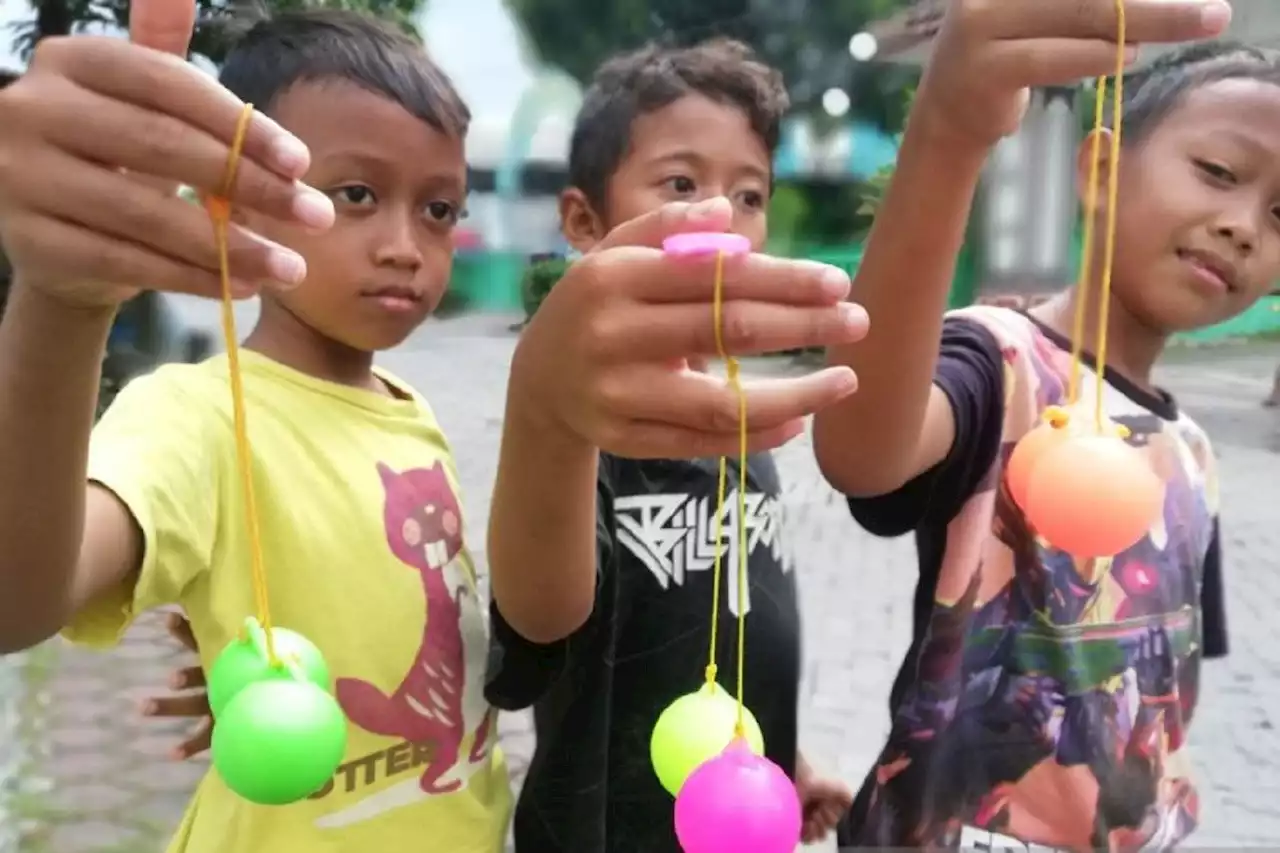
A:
(109, 788)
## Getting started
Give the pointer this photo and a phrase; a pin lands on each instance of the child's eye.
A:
(753, 199)
(356, 194)
(443, 211)
(1215, 171)
(682, 185)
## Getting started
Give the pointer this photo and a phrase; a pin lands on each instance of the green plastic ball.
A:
(244, 662)
(278, 742)
(694, 729)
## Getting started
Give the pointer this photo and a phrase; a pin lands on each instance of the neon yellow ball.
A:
(694, 729)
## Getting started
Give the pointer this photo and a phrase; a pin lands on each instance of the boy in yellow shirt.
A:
(363, 533)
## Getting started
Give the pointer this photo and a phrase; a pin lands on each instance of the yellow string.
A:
(1113, 195)
(1086, 261)
(1109, 248)
(735, 382)
(219, 208)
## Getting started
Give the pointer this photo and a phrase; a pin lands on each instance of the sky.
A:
(474, 40)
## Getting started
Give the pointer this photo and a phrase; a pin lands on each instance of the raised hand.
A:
(93, 139)
(606, 358)
(990, 52)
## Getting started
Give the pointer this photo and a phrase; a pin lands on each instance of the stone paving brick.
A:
(95, 778)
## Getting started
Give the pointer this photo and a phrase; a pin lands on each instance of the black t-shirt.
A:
(1043, 701)
(591, 787)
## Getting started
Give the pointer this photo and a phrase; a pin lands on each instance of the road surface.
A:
(98, 780)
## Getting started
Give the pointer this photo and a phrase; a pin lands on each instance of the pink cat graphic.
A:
(424, 530)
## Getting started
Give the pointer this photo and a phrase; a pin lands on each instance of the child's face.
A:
(397, 186)
(1198, 225)
(690, 150)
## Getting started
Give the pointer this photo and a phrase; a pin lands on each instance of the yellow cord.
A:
(1113, 196)
(219, 208)
(1086, 261)
(1109, 249)
(735, 381)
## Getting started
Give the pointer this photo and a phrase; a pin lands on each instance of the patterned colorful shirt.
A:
(1045, 700)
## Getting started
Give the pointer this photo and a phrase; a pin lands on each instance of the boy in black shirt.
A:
(659, 125)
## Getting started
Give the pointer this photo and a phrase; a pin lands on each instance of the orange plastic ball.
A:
(1093, 496)
(1029, 450)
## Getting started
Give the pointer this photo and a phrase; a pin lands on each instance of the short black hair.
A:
(7, 77)
(1154, 91)
(317, 45)
(646, 80)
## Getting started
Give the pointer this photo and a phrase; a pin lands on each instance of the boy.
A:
(602, 584)
(1045, 700)
(361, 524)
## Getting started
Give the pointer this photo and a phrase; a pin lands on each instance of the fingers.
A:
(1049, 61)
(164, 84)
(655, 332)
(145, 237)
(198, 742)
(165, 25)
(710, 405)
(647, 275)
(648, 440)
(70, 252)
(152, 143)
(714, 214)
(178, 705)
(1145, 20)
(180, 629)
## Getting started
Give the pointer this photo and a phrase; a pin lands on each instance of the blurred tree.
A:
(807, 39)
(217, 20)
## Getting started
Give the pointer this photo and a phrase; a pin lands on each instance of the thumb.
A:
(713, 214)
(164, 25)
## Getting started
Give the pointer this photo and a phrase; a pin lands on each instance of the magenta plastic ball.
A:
(738, 802)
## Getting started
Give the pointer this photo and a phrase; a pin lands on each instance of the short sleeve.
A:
(970, 372)
(1213, 605)
(520, 672)
(156, 449)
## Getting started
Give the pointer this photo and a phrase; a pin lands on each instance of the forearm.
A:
(50, 364)
(870, 442)
(542, 530)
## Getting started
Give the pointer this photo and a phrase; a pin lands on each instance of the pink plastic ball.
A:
(738, 802)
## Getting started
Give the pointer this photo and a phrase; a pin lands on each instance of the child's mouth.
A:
(1212, 272)
(395, 299)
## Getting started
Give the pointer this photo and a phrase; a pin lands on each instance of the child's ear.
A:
(581, 227)
(1085, 175)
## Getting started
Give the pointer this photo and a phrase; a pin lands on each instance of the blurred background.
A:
(81, 770)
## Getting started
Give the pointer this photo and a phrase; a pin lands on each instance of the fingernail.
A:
(289, 155)
(148, 708)
(177, 682)
(313, 208)
(707, 209)
(1131, 54)
(1215, 16)
(286, 267)
(178, 754)
(852, 314)
(835, 281)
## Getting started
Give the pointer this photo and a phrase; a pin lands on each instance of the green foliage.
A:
(216, 19)
(539, 277)
(807, 40)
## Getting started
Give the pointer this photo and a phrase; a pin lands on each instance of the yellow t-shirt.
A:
(362, 535)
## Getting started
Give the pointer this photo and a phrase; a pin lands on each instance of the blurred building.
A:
(1027, 209)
